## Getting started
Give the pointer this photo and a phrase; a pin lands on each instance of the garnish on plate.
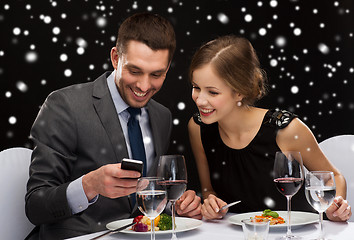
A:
(273, 216)
(162, 222)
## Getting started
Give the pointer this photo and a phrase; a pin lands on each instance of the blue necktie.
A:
(135, 137)
(136, 142)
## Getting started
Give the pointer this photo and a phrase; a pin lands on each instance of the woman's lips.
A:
(206, 112)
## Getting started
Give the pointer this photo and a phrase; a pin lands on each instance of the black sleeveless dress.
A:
(246, 174)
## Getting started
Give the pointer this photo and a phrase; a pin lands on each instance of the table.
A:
(223, 230)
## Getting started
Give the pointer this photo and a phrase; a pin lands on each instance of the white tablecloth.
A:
(223, 230)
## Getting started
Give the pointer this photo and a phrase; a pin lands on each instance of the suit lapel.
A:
(107, 113)
(154, 123)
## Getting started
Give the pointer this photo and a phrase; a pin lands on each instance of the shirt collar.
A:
(118, 101)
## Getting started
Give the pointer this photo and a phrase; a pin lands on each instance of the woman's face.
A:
(213, 97)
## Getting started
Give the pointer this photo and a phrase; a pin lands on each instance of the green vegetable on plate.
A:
(165, 222)
(270, 213)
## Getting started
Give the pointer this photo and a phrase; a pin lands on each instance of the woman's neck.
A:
(241, 126)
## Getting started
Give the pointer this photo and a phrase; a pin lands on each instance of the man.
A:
(76, 183)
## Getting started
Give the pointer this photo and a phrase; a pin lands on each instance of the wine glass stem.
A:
(288, 233)
(321, 226)
(153, 229)
(174, 237)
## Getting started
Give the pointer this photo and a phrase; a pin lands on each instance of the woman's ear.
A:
(114, 57)
(238, 96)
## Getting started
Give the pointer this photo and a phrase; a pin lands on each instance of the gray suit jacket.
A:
(76, 131)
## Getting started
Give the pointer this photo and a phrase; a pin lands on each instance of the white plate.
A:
(297, 218)
(182, 225)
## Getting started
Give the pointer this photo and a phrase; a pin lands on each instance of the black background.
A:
(310, 75)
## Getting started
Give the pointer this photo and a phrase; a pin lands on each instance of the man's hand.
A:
(189, 205)
(110, 181)
(341, 213)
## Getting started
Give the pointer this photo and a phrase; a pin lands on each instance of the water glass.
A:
(151, 197)
(255, 229)
(320, 191)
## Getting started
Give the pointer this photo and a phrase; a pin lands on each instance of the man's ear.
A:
(114, 57)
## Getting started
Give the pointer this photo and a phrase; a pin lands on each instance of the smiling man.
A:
(81, 135)
(141, 72)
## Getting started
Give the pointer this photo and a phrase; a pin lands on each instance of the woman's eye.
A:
(195, 87)
(213, 93)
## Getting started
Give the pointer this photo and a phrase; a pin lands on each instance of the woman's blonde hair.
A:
(234, 60)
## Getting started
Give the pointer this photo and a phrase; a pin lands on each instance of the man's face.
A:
(140, 73)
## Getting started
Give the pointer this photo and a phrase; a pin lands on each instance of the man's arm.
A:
(53, 134)
(55, 165)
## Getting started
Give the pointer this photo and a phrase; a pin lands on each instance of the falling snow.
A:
(223, 18)
(175, 121)
(308, 63)
(323, 48)
(22, 86)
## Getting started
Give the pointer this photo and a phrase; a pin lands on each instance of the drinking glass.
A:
(320, 191)
(173, 169)
(151, 198)
(255, 229)
(288, 178)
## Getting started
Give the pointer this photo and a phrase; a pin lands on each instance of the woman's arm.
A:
(298, 137)
(200, 158)
(212, 204)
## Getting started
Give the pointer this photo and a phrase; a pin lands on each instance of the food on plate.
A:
(273, 216)
(165, 222)
(143, 224)
(140, 227)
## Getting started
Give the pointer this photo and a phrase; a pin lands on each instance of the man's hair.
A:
(151, 29)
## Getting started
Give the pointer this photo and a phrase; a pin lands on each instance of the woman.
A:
(234, 142)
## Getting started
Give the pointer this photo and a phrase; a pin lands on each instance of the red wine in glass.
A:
(288, 178)
(175, 188)
(173, 169)
(288, 186)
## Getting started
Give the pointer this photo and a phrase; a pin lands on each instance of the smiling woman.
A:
(234, 141)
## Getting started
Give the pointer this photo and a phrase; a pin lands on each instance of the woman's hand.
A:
(188, 205)
(211, 208)
(341, 213)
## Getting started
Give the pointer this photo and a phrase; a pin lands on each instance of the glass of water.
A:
(151, 198)
(320, 191)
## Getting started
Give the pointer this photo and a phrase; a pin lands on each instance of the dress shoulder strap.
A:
(279, 118)
(196, 118)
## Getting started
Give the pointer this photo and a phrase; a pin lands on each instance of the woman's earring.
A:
(239, 103)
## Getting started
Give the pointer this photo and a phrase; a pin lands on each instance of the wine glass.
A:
(173, 169)
(151, 198)
(288, 178)
(320, 191)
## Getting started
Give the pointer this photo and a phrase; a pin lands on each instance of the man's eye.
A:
(134, 72)
(156, 75)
